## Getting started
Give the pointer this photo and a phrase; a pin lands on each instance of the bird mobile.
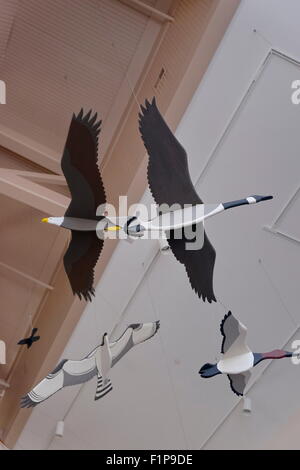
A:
(170, 184)
(179, 207)
(237, 359)
(97, 363)
(30, 340)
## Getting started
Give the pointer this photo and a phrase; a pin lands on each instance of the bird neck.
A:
(231, 204)
(275, 354)
(248, 200)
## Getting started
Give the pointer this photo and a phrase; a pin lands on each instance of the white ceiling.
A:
(159, 400)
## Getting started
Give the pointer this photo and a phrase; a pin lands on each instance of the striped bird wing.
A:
(67, 373)
(43, 390)
(143, 331)
(238, 382)
(121, 346)
(135, 334)
(234, 336)
(79, 165)
(79, 262)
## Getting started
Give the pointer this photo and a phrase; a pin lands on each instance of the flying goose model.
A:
(97, 363)
(237, 359)
(79, 166)
(170, 184)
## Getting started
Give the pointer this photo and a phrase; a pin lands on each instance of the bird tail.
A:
(103, 387)
(206, 369)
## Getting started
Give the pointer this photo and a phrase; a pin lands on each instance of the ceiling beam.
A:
(26, 276)
(30, 149)
(44, 177)
(16, 185)
(148, 10)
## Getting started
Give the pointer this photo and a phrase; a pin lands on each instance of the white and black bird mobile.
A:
(170, 184)
(97, 363)
(237, 359)
(79, 166)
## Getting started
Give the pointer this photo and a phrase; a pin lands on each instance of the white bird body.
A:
(178, 218)
(236, 364)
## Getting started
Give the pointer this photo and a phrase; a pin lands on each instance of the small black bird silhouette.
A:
(30, 340)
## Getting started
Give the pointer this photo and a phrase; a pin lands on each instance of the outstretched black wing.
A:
(79, 165)
(35, 338)
(170, 183)
(168, 172)
(80, 260)
(199, 265)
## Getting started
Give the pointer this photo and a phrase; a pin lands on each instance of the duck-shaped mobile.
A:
(237, 358)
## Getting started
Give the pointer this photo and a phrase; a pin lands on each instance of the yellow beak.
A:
(45, 219)
(113, 228)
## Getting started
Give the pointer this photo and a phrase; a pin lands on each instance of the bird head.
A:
(136, 230)
(53, 220)
(112, 228)
(258, 198)
(105, 339)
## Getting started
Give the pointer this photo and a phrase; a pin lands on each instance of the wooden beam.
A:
(16, 185)
(44, 177)
(31, 150)
(26, 276)
(148, 10)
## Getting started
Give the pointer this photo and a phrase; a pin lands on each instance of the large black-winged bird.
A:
(79, 166)
(171, 185)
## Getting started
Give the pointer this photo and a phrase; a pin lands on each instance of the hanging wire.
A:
(128, 80)
(28, 322)
(276, 290)
(259, 33)
(27, 312)
(223, 305)
(166, 363)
